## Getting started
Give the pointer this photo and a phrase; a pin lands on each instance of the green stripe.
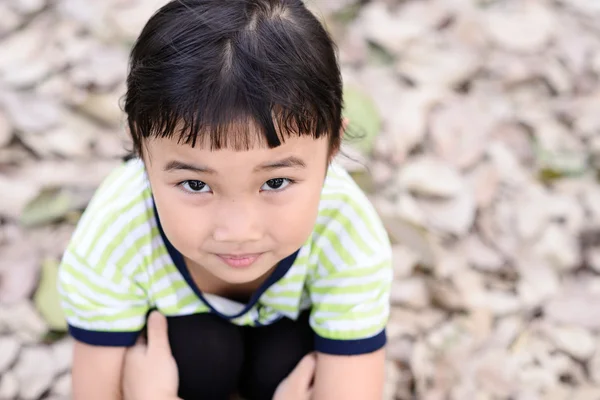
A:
(114, 244)
(379, 310)
(108, 222)
(171, 289)
(93, 287)
(360, 210)
(326, 263)
(288, 281)
(176, 309)
(137, 245)
(302, 259)
(358, 272)
(350, 335)
(354, 289)
(107, 316)
(286, 294)
(167, 269)
(337, 246)
(109, 180)
(107, 202)
(282, 307)
(349, 228)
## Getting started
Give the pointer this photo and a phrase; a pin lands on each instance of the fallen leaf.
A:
(441, 65)
(363, 117)
(104, 107)
(525, 28)
(31, 112)
(35, 372)
(47, 298)
(383, 28)
(29, 6)
(49, 206)
(429, 176)
(19, 266)
(459, 131)
(6, 131)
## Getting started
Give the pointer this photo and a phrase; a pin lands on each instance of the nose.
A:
(237, 222)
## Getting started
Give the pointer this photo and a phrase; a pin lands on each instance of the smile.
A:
(239, 261)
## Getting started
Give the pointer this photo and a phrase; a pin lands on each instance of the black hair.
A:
(225, 72)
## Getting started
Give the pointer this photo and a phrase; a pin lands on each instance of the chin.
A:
(241, 276)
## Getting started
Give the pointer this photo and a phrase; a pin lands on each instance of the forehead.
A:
(165, 150)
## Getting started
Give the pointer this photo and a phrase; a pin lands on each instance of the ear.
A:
(345, 122)
(334, 152)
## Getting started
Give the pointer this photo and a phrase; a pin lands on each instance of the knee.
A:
(272, 354)
(209, 355)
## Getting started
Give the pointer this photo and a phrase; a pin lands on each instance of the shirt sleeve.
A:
(350, 290)
(102, 306)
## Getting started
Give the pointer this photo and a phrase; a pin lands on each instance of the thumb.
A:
(305, 370)
(158, 337)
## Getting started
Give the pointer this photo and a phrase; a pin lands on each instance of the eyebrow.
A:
(173, 166)
(288, 162)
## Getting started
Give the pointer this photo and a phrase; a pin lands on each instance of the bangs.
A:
(218, 125)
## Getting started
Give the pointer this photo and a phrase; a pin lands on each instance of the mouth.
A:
(239, 260)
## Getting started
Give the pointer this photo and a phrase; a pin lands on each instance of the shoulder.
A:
(118, 218)
(348, 230)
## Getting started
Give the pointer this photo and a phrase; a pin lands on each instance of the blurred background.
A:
(481, 152)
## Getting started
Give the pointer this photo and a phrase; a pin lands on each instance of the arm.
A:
(349, 377)
(350, 291)
(105, 319)
(97, 372)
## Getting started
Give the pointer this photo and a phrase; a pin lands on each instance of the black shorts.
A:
(216, 358)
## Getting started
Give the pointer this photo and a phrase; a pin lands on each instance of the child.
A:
(231, 219)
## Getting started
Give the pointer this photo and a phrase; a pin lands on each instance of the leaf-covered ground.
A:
(481, 152)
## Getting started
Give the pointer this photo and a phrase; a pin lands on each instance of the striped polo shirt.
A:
(119, 265)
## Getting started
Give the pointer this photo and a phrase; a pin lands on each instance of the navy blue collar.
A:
(278, 273)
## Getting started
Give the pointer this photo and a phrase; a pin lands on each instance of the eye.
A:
(276, 184)
(195, 187)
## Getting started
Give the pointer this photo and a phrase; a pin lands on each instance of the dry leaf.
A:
(383, 28)
(410, 292)
(9, 350)
(9, 19)
(526, 28)
(29, 112)
(19, 267)
(47, 298)
(35, 372)
(454, 216)
(429, 176)
(6, 131)
(438, 65)
(29, 6)
(459, 132)
(9, 386)
(103, 107)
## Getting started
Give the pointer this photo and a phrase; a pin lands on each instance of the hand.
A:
(298, 384)
(150, 371)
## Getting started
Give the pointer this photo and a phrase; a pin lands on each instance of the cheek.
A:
(180, 221)
(295, 222)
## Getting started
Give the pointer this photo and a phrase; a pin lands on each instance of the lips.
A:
(239, 261)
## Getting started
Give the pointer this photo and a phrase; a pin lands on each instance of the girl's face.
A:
(236, 214)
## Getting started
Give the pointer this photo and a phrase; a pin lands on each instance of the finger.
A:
(309, 394)
(305, 370)
(158, 336)
(135, 351)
